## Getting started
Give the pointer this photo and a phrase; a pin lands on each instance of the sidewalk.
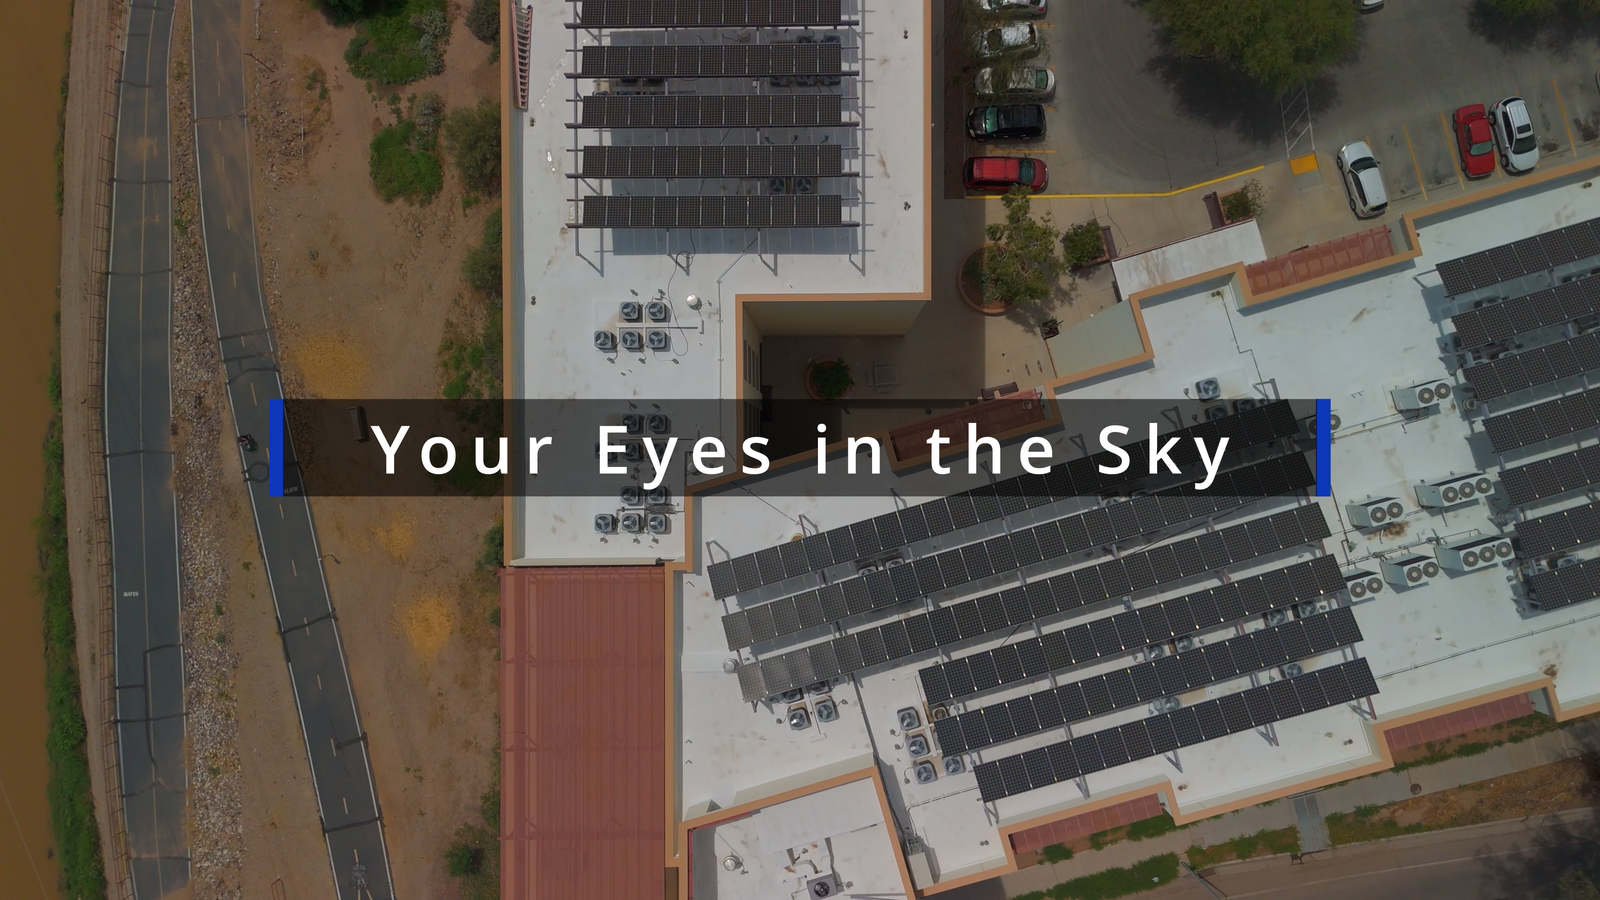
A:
(1383, 788)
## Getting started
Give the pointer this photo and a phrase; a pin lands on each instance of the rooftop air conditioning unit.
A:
(633, 523)
(1453, 490)
(658, 339)
(634, 423)
(1156, 651)
(632, 496)
(1413, 571)
(827, 711)
(940, 713)
(1275, 617)
(658, 523)
(632, 341)
(1184, 644)
(1311, 608)
(605, 341)
(1563, 561)
(1421, 396)
(657, 311)
(659, 424)
(1293, 670)
(823, 886)
(1208, 389)
(909, 720)
(1163, 705)
(1377, 512)
(630, 311)
(917, 746)
(1213, 413)
(1362, 585)
(605, 523)
(799, 719)
(660, 496)
(818, 688)
(804, 184)
(793, 695)
(1480, 553)
(1245, 404)
(777, 185)
(632, 451)
(923, 772)
(953, 765)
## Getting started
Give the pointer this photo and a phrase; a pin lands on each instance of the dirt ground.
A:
(360, 294)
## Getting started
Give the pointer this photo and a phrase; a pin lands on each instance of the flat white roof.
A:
(1455, 638)
(569, 283)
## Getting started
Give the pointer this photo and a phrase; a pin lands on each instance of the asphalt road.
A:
(138, 416)
(335, 743)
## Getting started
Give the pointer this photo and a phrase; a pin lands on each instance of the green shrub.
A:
(402, 169)
(483, 20)
(1023, 263)
(1084, 243)
(481, 266)
(402, 45)
(342, 12)
(831, 379)
(1518, 9)
(1281, 44)
(427, 110)
(1142, 876)
(1248, 202)
(472, 135)
(1155, 826)
(1055, 853)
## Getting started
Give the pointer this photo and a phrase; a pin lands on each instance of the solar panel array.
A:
(1536, 367)
(1559, 531)
(717, 211)
(891, 531)
(1509, 261)
(1007, 552)
(1551, 419)
(1563, 586)
(1505, 320)
(1101, 694)
(711, 111)
(1022, 605)
(707, 13)
(760, 161)
(708, 60)
(1206, 721)
(1551, 477)
(1135, 630)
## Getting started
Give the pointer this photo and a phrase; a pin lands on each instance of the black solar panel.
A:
(594, 14)
(1564, 586)
(1560, 530)
(708, 60)
(1534, 368)
(1503, 321)
(713, 211)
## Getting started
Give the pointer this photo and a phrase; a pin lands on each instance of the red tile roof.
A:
(1459, 722)
(582, 733)
(1321, 259)
(1065, 831)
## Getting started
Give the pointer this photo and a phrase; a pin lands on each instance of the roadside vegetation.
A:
(1144, 875)
(72, 817)
(472, 135)
(1281, 44)
(404, 157)
(1534, 9)
(483, 20)
(473, 857)
(469, 354)
(1514, 731)
(1262, 843)
(394, 43)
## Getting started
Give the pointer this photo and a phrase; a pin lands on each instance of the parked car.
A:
(1001, 173)
(1036, 82)
(1020, 122)
(1474, 140)
(1020, 39)
(1363, 180)
(1370, 5)
(1028, 9)
(1513, 131)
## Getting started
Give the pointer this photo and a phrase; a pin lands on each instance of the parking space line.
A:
(1156, 194)
(1413, 151)
(1450, 144)
(1566, 122)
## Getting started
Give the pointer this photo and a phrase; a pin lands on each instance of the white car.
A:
(1020, 39)
(1035, 82)
(1363, 180)
(1513, 132)
(1027, 9)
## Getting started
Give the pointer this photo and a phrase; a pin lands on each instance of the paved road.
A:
(340, 768)
(138, 415)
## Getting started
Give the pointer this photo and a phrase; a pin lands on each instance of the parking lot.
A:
(1132, 118)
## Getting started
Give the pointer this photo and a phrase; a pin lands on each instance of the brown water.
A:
(31, 63)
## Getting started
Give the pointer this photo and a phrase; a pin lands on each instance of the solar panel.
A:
(595, 14)
(708, 60)
(1559, 530)
(991, 784)
(712, 211)
(1500, 322)
(723, 582)
(1564, 586)
(1014, 774)
(1534, 368)
(1187, 727)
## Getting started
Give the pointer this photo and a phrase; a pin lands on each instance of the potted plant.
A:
(1049, 328)
(1085, 245)
(1248, 202)
(828, 379)
(1021, 264)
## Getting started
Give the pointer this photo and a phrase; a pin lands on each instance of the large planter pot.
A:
(972, 291)
(1222, 208)
(811, 387)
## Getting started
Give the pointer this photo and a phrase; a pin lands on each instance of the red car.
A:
(1000, 173)
(1474, 140)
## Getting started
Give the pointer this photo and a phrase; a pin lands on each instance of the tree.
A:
(483, 20)
(473, 137)
(1023, 264)
(343, 11)
(1280, 43)
(1577, 886)
(463, 859)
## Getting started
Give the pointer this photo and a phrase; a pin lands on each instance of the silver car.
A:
(1033, 82)
(1513, 132)
(1363, 180)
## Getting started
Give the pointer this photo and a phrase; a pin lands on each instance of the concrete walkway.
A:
(1383, 788)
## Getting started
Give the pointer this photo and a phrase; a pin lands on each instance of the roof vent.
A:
(658, 524)
(953, 765)
(827, 711)
(630, 310)
(632, 523)
(823, 886)
(657, 339)
(799, 719)
(605, 523)
(909, 719)
(732, 863)
(1363, 584)
(1208, 389)
(632, 341)
(693, 300)
(657, 311)
(605, 341)
(917, 746)
(923, 772)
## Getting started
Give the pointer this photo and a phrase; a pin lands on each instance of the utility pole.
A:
(1203, 883)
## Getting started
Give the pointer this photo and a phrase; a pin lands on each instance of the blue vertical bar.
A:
(1324, 448)
(275, 448)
